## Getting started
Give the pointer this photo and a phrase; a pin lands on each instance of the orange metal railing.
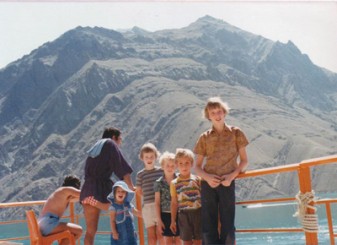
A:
(304, 178)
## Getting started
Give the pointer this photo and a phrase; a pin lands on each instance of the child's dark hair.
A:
(73, 181)
(111, 133)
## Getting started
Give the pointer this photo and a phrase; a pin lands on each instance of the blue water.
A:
(246, 217)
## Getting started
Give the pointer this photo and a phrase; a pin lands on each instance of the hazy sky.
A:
(312, 26)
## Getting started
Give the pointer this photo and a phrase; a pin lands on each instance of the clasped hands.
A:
(215, 180)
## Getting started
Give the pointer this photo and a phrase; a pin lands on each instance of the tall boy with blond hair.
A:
(221, 146)
(185, 199)
(144, 187)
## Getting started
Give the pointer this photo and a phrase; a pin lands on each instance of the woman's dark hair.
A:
(73, 181)
(111, 133)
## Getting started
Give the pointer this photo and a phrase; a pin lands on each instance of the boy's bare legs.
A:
(194, 242)
(76, 230)
(172, 240)
(177, 241)
(187, 242)
(163, 241)
(151, 235)
(160, 238)
(168, 240)
(91, 215)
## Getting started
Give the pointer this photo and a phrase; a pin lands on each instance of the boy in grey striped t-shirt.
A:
(144, 187)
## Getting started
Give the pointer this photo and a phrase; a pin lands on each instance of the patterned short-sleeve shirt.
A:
(163, 187)
(221, 150)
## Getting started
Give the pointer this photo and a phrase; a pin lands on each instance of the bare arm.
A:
(93, 202)
(158, 211)
(212, 179)
(174, 210)
(73, 194)
(137, 213)
(114, 231)
(139, 191)
(243, 160)
(128, 181)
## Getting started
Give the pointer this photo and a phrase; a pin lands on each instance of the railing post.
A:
(304, 176)
(140, 220)
(72, 212)
(72, 217)
(330, 224)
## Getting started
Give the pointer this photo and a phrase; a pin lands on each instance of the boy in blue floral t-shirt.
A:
(163, 198)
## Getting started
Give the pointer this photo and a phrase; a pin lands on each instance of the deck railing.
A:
(303, 170)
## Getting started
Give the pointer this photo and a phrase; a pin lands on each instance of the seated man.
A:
(56, 204)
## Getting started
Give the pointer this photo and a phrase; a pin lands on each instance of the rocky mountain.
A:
(55, 102)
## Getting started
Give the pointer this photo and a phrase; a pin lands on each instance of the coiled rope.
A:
(309, 221)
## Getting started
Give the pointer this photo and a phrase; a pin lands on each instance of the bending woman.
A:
(104, 159)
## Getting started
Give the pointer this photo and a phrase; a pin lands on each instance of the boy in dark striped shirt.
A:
(144, 187)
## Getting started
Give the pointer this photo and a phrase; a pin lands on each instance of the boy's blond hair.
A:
(215, 102)
(166, 156)
(148, 147)
(181, 152)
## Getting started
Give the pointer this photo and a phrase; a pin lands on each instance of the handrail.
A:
(304, 177)
(21, 204)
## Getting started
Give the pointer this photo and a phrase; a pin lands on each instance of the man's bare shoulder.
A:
(68, 191)
(65, 193)
(69, 188)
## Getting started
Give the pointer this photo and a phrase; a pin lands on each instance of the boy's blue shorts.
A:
(47, 223)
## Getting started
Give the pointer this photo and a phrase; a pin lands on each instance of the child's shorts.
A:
(149, 215)
(166, 218)
(189, 221)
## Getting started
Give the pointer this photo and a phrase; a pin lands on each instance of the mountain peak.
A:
(210, 22)
(139, 31)
(208, 18)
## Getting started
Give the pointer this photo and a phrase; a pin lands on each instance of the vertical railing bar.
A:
(330, 225)
(304, 176)
(140, 221)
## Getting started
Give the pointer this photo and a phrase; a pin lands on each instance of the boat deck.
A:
(303, 170)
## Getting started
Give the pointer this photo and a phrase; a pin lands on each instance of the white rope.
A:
(309, 221)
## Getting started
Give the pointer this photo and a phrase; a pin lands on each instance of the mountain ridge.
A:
(55, 102)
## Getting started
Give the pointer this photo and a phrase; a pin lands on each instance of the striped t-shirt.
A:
(145, 180)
